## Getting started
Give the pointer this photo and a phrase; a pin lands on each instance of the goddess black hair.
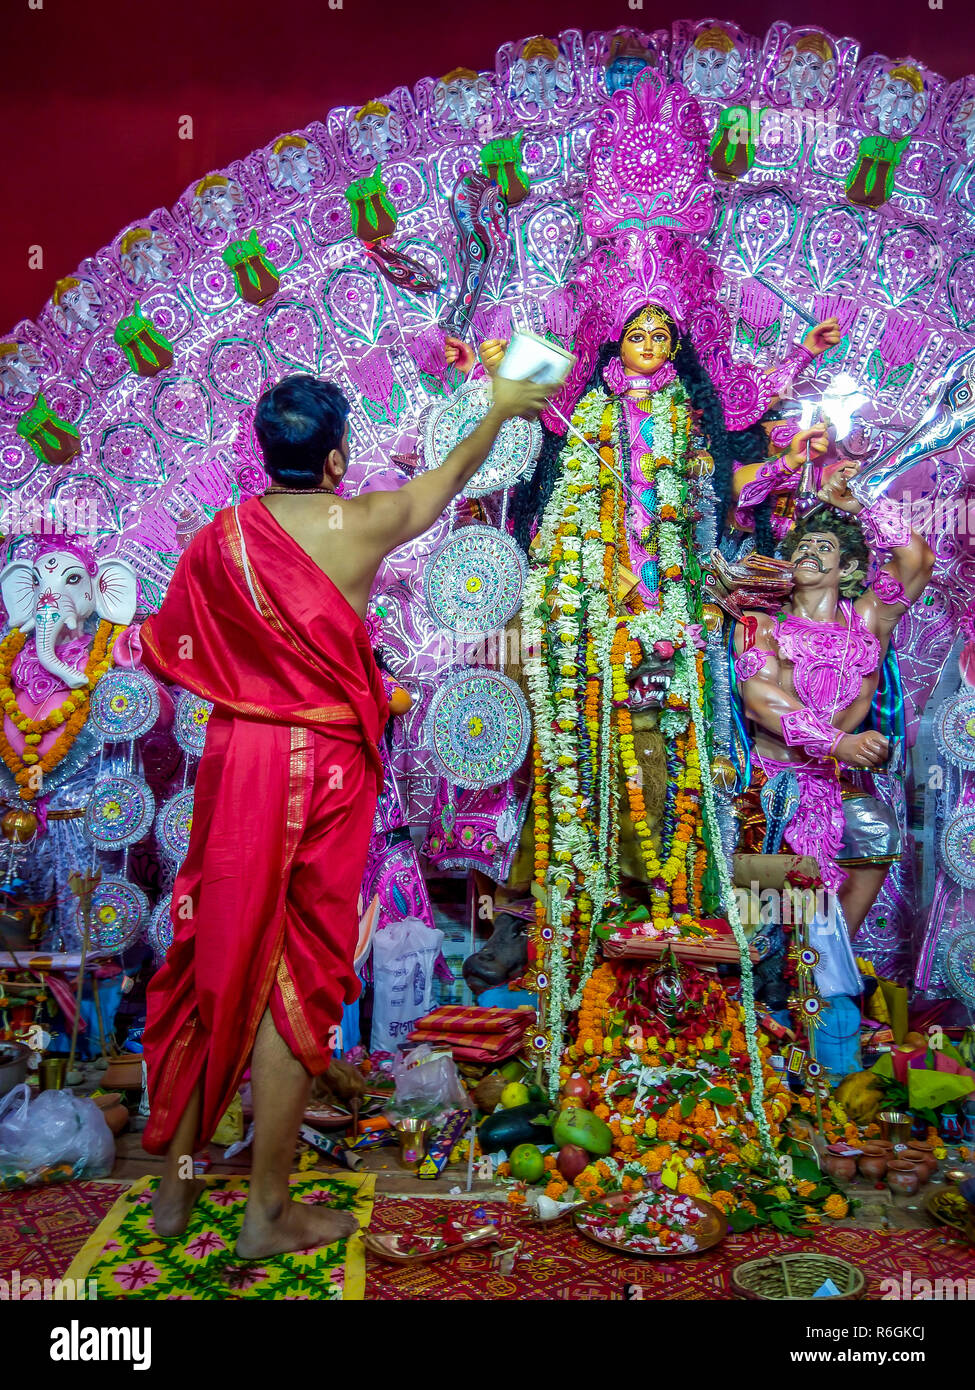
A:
(298, 424)
(725, 446)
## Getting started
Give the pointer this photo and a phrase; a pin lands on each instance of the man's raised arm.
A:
(396, 517)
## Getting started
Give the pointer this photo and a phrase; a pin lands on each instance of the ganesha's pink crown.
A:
(73, 545)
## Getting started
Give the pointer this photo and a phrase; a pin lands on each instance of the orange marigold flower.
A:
(724, 1200)
(836, 1207)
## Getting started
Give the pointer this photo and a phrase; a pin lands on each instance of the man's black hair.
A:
(298, 423)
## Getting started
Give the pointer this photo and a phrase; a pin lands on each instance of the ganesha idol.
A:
(70, 621)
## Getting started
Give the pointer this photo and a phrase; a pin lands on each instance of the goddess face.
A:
(648, 341)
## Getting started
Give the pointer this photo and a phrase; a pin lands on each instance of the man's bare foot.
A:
(172, 1204)
(296, 1226)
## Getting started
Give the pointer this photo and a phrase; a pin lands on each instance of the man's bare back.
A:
(348, 537)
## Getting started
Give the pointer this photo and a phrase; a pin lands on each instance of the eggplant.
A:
(505, 1129)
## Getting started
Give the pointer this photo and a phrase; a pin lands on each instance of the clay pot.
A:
(903, 1177)
(873, 1165)
(115, 1113)
(842, 1167)
(923, 1159)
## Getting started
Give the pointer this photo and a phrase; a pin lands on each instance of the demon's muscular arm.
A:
(768, 702)
(906, 574)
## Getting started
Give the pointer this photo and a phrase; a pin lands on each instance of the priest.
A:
(264, 617)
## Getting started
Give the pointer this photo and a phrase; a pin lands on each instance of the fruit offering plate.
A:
(949, 1208)
(656, 1224)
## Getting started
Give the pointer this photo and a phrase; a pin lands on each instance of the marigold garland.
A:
(70, 716)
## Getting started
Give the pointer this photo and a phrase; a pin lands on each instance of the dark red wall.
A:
(92, 90)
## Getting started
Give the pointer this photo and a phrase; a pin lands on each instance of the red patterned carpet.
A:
(41, 1229)
(564, 1265)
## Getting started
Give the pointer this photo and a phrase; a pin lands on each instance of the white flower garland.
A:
(730, 904)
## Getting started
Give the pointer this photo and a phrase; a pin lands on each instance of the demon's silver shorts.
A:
(870, 835)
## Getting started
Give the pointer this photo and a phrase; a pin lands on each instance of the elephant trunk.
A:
(49, 623)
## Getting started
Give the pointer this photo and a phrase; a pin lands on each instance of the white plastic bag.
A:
(404, 954)
(427, 1082)
(56, 1127)
(837, 972)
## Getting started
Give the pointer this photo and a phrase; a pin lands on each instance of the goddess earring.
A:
(675, 350)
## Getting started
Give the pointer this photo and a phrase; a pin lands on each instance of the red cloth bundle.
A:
(475, 1034)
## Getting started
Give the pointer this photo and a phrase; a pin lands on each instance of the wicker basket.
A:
(797, 1277)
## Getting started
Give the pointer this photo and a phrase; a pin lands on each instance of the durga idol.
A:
(622, 503)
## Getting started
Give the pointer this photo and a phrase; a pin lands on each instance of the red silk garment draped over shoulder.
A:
(265, 903)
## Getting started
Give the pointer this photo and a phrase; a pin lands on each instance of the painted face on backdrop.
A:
(291, 165)
(963, 123)
(623, 72)
(146, 257)
(896, 101)
(215, 203)
(648, 342)
(808, 72)
(77, 306)
(712, 66)
(17, 370)
(374, 131)
(461, 97)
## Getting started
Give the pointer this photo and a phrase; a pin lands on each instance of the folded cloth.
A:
(476, 1034)
(496, 1050)
(459, 1018)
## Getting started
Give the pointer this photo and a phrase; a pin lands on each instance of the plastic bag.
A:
(404, 954)
(56, 1130)
(427, 1081)
(837, 971)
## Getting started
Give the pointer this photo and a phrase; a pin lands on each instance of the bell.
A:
(723, 774)
(19, 826)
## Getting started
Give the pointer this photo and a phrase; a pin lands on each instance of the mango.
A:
(581, 1127)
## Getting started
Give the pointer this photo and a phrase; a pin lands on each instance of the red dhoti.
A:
(265, 904)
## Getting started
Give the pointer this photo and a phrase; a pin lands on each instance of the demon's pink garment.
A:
(830, 660)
